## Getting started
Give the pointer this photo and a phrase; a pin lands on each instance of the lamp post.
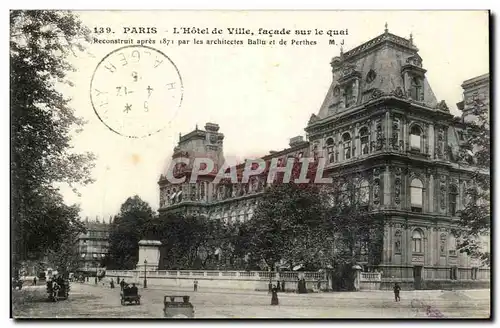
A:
(83, 260)
(145, 280)
(96, 267)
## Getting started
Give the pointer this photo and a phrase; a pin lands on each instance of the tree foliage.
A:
(127, 230)
(475, 218)
(314, 226)
(41, 127)
(191, 241)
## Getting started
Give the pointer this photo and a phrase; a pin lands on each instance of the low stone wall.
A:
(370, 281)
(239, 280)
(434, 284)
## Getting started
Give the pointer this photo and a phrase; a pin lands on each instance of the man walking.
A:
(396, 292)
(34, 281)
(196, 285)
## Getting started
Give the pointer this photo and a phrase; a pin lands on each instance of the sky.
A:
(260, 96)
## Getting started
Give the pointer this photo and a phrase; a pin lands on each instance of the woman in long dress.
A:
(274, 296)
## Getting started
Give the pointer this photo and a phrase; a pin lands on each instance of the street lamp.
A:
(96, 267)
(84, 266)
(145, 280)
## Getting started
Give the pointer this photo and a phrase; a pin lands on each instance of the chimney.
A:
(296, 140)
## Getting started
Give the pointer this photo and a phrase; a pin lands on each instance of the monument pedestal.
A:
(149, 251)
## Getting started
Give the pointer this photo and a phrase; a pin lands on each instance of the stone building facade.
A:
(381, 124)
(475, 89)
(93, 245)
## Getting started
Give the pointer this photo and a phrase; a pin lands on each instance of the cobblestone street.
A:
(89, 301)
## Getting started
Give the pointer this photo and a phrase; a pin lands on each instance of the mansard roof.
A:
(379, 67)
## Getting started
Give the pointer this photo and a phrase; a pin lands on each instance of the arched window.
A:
(453, 196)
(416, 194)
(346, 139)
(330, 148)
(416, 89)
(397, 242)
(442, 245)
(365, 144)
(416, 241)
(364, 192)
(415, 137)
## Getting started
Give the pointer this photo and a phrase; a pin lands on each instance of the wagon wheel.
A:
(123, 301)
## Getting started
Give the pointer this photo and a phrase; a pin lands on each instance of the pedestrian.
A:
(34, 281)
(274, 296)
(269, 287)
(396, 293)
(283, 286)
(117, 280)
(196, 285)
(278, 286)
(319, 285)
(112, 283)
(122, 284)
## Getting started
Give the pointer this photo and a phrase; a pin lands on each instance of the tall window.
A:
(363, 136)
(416, 89)
(346, 139)
(452, 245)
(415, 137)
(416, 241)
(453, 196)
(416, 194)
(330, 148)
(364, 192)
(397, 242)
(442, 245)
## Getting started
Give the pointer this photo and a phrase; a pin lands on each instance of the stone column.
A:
(430, 140)
(404, 128)
(387, 129)
(430, 193)
(387, 187)
(408, 252)
(390, 252)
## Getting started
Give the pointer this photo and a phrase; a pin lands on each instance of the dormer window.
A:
(336, 91)
(370, 77)
(348, 96)
(416, 88)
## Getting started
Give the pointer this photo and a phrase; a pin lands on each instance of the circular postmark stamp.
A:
(136, 91)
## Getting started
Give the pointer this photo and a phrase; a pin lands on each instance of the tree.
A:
(286, 216)
(41, 125)
(475, 218)
(127, 230)
(190, 242)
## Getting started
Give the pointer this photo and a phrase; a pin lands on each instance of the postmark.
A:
(136, 91)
